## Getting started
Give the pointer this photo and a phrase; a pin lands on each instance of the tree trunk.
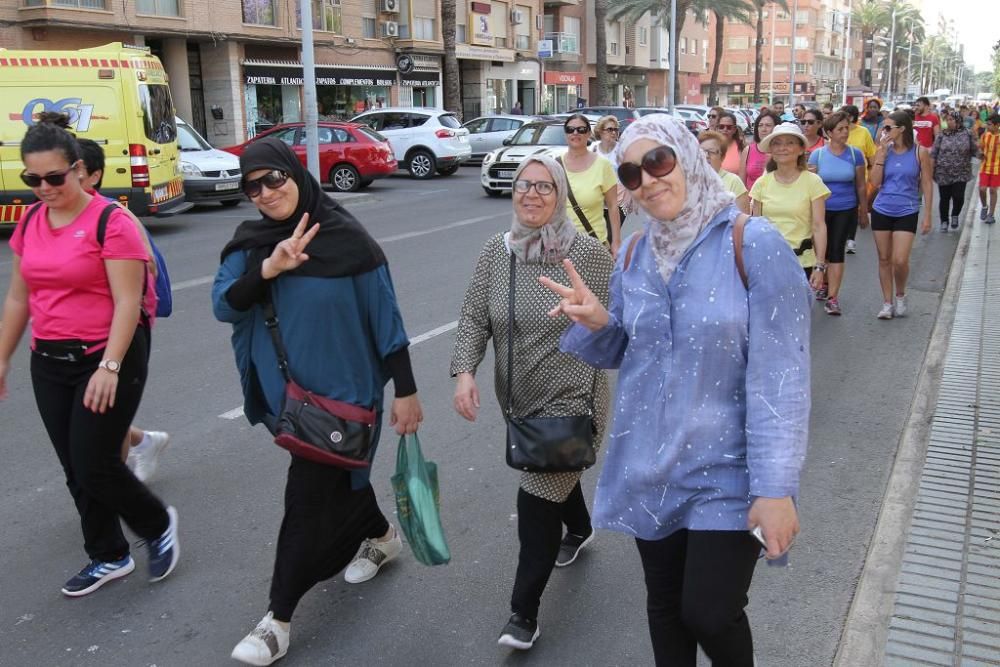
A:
(720, 34)
(452, 82)
(600, 96)
(682, 10)
(759, 52)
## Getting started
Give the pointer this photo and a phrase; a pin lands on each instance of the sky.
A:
(976, 23)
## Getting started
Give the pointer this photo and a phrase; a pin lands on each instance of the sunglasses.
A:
(55, 179)
(658, 162)
(273, 180)
(541, 187)
(888, 128)
(610, 129)
(578, 129)
(727, 128)
(713, 115)
(806, 121)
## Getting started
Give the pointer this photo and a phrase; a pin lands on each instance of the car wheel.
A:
(448, 171)
(421, 165)
(231, 202)
(344, 178)
(492, 193)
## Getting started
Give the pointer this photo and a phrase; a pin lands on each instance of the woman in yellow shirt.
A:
(593, 184)
(794, 199)
(712, 144)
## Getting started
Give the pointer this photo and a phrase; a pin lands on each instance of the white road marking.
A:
(194, 282)
(236, 413)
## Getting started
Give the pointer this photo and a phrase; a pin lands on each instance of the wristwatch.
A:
(110, 365)
(820, 267)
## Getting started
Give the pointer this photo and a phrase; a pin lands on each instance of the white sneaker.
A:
(886, 312)
(265, 644)
(851, 246)
(371, 557)
(144, 458)
(900, 306)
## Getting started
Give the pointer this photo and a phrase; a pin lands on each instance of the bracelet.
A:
(820, 267)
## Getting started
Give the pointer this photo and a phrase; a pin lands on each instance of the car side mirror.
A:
(507, 141)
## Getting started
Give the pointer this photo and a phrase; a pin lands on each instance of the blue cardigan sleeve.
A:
(377, 294)
(231, 270)
(777, 375)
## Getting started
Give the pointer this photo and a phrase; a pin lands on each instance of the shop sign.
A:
(426, 63)
(325, 76)
(419, 79)
(564, 78)
(481, 33)
(473, 52)
(545, 48)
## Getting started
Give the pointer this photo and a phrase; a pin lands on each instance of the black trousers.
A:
(696, 587)
(540, 530)
(89, 448)
(324, 525)
(953, 196)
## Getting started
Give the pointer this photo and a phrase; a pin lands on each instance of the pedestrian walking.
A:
(711, 144)
(706, 444)
(901, 171)
(842, 169)
(606, 138)
(860, 138)
(335, 310)
(811, 123)
(952, 156)
(753, 161)
(827, 110)
(90, 346)
(926, 123)
(989, 168)
(730, 129)
(713, 116)
(592, 186)
(794, 199)
(543, 380)
(872, 118)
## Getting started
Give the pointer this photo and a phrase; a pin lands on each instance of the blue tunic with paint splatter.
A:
(712, 400)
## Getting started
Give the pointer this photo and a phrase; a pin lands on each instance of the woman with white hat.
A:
(794, 199)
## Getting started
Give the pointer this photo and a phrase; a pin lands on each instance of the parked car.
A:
(425, 140)
(210, 175)
(693, 124)
(351, 156)
(487, 133)
(497, 174)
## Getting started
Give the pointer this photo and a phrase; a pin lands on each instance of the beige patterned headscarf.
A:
(706, 195)
(550, 243)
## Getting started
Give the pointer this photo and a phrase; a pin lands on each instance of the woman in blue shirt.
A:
(331, 290)
(711, 417)
(842, 169)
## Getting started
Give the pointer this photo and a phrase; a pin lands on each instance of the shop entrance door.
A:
(526, 95)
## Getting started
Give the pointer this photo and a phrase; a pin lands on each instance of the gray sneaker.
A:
(983, 213)
(900, 309)
(954, 222)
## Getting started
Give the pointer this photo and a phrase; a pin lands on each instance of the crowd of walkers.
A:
(712, 292)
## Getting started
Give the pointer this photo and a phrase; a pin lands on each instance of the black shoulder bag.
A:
(320, 429)
(544, 444)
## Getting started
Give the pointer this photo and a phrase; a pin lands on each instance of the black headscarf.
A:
(341, 248)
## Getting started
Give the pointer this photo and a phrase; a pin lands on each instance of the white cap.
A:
(782, 130)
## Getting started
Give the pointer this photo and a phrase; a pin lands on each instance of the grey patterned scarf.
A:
(706, 195)
(550, 243)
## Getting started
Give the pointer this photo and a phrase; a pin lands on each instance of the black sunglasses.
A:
(727, 128)
(579, 129)
(273, 179)
(658, 162)
(54, 179)
(806, 121)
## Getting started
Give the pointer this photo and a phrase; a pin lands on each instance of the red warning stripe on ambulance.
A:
(11, 213)
(134, 63)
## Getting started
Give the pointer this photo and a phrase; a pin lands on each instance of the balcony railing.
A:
(564, 42)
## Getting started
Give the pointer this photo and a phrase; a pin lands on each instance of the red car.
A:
(351, 156)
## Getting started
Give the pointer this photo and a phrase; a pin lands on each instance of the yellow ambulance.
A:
(116, 95)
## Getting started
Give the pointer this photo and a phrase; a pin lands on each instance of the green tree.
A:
(909, 28)
(742, 11)
(996, 70)
(870, 19)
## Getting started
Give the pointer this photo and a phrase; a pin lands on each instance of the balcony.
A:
(565, 46)
(561, 3)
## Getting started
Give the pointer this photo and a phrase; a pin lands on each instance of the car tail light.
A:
(444, 134)
(139, 165)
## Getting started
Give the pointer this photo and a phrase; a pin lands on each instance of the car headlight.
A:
(490, 157)
(188, 169)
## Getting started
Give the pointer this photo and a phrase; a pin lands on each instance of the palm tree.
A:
(659, 10)
(601, 46)
(758, 66)
(741, 10)
(452, 89)
(909, 27)
(871, 19)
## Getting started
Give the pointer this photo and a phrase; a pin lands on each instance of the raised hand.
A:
(578, 303)
(290, 253)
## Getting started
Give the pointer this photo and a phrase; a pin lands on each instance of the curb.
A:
(867, 626)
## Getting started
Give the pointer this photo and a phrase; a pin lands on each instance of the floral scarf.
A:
(550, 243)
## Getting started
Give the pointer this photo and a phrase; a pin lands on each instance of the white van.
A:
(210, 175)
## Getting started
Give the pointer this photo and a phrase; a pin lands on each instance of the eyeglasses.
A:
(610, 129)
(727, 128)
(711, 151)
(541, 187)
(888, 128)
(657, 162)
(713, 115)
(806, 121)
(55, 179)
(578, 129)
(273, 180)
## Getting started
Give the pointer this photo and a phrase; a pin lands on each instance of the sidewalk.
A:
(930, 590)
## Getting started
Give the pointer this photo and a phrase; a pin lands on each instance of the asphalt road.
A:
(226, 480)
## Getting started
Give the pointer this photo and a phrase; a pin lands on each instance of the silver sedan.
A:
(488, 132)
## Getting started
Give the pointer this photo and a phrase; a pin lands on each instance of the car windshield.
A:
(449, 120)
(188, 140)
(550, 135)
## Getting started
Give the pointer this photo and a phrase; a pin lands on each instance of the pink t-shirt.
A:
(69, 296)
(756, 163)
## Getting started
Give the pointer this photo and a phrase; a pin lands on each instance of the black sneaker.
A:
(95, 574)
(570, 548)
(164, 550)
(519, 633)
(955, 222)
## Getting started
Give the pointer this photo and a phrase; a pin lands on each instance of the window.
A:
(157, 7)
(801, 68)
(260, 12)
(325, 15)
(643, 36)
(369, 27)
(684, 44)
(288, 136)
(157, 113)
(460, 35)
(782, 15)
(82, 4)
(737, 68)
(782, 41)
(418, 119)
(504, 125)
(571, 24)
(738, 43)
(802, 17)
(612, 48)
(499, 18)
(188, 140)
(780, 67)
(522, 42)
(423, 28)
(694, 47)
(477, 126)
(802, 42)
(403, 19)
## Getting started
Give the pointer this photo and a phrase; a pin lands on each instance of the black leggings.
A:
(89, 448)
(840, 226)
(539, 527)
(954, 194)
(696, 588)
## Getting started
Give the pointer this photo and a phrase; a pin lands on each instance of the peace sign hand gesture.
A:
(290, 253)
(578, 303)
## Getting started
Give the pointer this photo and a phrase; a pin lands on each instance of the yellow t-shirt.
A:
(733, 183)
(589, 188)
(861, 139)
(789, 207)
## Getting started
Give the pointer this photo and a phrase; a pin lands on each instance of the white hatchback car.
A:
(423, 139)
(210, 175)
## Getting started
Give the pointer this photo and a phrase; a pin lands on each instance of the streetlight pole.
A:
(909, 58)
(791, 81)
(309, 91)
(847, 49)
(892, 53)
(770, 93)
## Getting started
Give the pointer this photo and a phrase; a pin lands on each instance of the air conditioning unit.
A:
(389, 6)
(517, 16)
(390, 29)
(539, 22)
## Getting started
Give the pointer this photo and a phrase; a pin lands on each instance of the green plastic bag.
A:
(418, 503)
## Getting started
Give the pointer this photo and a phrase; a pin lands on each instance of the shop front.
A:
(422, 86)
(493, 81)
(562, 90)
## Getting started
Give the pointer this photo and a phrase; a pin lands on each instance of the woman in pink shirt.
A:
(753, 161)
(90, 343)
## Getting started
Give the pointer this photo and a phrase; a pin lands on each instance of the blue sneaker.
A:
(164, 550)
(96, 574)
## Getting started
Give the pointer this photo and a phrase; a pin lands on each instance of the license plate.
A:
(505, 174)
(160, 193)
(227, 186)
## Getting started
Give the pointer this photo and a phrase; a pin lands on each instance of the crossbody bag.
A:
(575, 206)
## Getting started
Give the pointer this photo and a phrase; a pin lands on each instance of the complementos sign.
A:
(292, 76)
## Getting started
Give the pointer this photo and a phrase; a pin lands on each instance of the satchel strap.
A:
(628, 252)
(572, 202)
(271, 322)
(738, 224)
